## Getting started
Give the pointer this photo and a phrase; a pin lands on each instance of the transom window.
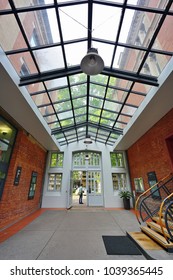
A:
(91, 158)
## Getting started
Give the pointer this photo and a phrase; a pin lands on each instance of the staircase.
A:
(154, 212)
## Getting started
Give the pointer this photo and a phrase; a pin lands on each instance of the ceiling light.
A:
(88, 140)
(92, 63)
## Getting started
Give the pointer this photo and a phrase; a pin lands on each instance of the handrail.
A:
(149, 189)
(160, 215)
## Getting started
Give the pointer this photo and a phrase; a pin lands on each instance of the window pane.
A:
(56, 160)
(117, 159)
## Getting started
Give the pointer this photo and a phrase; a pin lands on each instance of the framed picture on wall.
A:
(139, 185)
(152, 180)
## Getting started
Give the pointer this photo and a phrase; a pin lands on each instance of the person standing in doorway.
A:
(80, 194)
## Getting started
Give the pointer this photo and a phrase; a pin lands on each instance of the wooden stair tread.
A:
(157, 237)
(157, 227)
(156, 219)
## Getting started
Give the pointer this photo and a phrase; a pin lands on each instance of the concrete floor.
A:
(70, 235)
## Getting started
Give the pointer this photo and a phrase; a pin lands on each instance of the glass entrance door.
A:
(94, 188)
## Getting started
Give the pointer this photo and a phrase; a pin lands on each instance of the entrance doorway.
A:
(92, 187)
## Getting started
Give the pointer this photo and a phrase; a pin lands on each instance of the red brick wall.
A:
(14, 205)
(150, 152)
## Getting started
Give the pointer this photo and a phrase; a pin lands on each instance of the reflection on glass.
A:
(46, 58)
(16, 39)
(41, 99)
(79, 90)
(43, 32)
(23, 63)
(139, 184)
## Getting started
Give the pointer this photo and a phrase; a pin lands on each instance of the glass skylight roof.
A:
(49, 38)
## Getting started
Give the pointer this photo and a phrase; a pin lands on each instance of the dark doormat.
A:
(120, 245)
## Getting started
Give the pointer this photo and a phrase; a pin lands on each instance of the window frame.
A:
(54, 189)
(61, 160)
(116, 159)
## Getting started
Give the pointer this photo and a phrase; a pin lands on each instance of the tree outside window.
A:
(57, 159)
(117, 159)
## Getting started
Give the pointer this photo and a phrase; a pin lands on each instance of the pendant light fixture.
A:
(88, 140)
(92, 63)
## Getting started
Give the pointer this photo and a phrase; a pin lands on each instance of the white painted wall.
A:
(60, 200)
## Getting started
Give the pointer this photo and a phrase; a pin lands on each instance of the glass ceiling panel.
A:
(46, 58)
(8, 22)
(107, 114)
(97, 90)
(79, 90)
(65, 115)
(48, 63)
(67, 122)
(104, 17)
(23, 64)
(54, 125)
(94, 111)
(135, 99)
(41, 99)
(117, 95)
(62, 106)
(80, 119)
(131, 36)
(37, 35)
(105, 51)
(27, 3)
(95, 102)
(141, 88)
(4, 5)
(112, 106)
(79, 102)
(128, 110)
(59, 95)
(149, 3)
(106, 122)
(93, 119)
(52, 84)
(46, 110)
(34, 88)
(78, 78)
(99, 79)
(161, 43)
(80, 111)
(75, 53)
(74, 21)
(132, 59)
(155, 63)
(120, 83)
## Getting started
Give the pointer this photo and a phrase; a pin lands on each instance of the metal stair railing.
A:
(148, 203)
(166, 217)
